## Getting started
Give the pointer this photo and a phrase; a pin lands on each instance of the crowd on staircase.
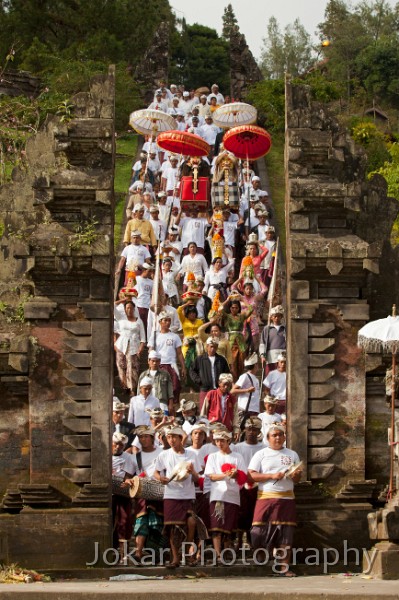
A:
(197, 283)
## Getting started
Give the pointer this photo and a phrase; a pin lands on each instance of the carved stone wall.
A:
(244, 70)
(55, 327)
(337, 226)
(154, 66)
(20, 83)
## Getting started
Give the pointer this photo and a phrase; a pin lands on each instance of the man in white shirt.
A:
(276, 382)
(179, 494)
(144, 285)
(158, 226)
(247, 388)
(193, 229)
(134, 255)
(248, 493)
(226, 471)
(209, 131)
(174, 110)
(142, 403)
(123, 465)
(169, 176)
(215, 92)
(186, 103)
(274, 518)
(270, 416)
(148, 512)
(159, 103)
(168, 345)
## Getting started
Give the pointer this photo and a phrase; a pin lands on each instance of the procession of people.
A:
(198, 291)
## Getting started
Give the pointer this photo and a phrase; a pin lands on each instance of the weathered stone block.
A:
(39, 310)
(78, 475)
(78, 327)
(320, 455)
(81, 425)
(78, 359)
(320, 329)
(320, 471)
(80, 442)
(320, 406)
(320, 421)
(300, 290)
(19, 362)
(299, 222)
(317, 375)
(320, 390)
(78, 392)
(321, 344)
(320, 438)
(320, 360)
(78, 375)
(79, 409)
(78, 458)
(79, 344)
(95, 310)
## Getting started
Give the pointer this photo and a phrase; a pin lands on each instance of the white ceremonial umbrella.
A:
(383, 336)
(151, 122)
(235, 113)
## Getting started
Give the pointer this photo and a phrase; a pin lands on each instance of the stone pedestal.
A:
(384, 558)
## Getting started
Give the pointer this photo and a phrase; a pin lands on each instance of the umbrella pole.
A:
(392, 486)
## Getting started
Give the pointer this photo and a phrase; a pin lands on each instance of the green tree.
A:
(361, 47)
(229, 22)
(200, 57)
(268, 97)
(390, 170)
(287, 52)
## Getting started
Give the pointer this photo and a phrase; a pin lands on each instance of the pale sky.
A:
(253, 15)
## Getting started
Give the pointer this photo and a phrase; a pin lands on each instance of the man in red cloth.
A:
(219, 405)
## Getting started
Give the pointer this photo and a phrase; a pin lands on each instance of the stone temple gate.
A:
(56, 298)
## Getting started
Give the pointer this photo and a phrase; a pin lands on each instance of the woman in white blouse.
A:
(192, 263)
(129, 344)
(216, 277)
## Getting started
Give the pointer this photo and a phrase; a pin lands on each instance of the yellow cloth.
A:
(145, 228)
(268, 495)
(190, 329)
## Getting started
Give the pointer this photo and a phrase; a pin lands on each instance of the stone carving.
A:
(154, 66)
(244, 70)
(55, 332)
(335, 253)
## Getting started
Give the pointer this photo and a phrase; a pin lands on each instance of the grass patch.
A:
(126, 150)
(275, 169)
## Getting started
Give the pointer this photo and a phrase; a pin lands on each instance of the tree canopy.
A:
(289, 51)
(200, 57)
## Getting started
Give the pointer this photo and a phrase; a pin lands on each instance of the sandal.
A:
(173, 565)
(191, 560)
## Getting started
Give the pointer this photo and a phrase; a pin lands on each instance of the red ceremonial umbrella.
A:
(248, 142)
(182, 142)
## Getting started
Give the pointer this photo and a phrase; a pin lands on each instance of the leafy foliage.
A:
(269, 99)
(390, 170)
(200, 57)
(366, 134)
(362, 51)
(290, 51)
(229, 20)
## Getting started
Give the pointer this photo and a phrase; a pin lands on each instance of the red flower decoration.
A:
(143, 474)
(201, 483)
(241, 478)
(228, 467)
(206, 459)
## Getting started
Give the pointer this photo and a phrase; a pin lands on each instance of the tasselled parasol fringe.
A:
(376, 346)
